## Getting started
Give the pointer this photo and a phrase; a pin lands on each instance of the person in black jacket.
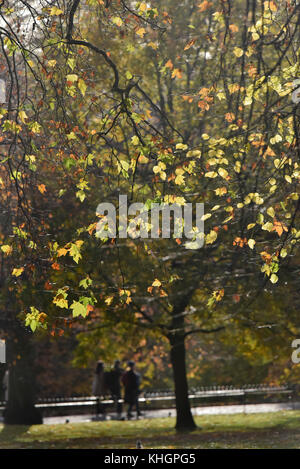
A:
(131, 382)
(115, 385)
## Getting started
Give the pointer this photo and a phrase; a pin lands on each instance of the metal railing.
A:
(257, 393)
(161, 395)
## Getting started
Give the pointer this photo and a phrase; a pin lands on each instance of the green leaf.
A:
(85, 283)
(75, 251)
(78, 309)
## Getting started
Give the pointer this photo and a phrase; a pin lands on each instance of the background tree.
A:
(173, 112)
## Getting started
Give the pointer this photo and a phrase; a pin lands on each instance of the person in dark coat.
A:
(115, 385)
(131, 382)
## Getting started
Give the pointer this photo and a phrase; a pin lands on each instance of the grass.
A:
(268, 430)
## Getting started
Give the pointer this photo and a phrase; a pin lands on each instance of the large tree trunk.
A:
(20, 409)
(184, 418)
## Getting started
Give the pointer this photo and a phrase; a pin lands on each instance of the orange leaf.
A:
(190, 44)
(177, 73)
(229, 116)
(204, 5)
(169, 64)
(62, 252)
(233, 28)
(279, 227)
(42, 188)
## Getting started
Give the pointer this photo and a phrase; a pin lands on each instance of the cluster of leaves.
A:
(176, 102)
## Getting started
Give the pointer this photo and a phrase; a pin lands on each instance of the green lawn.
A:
(270, 430)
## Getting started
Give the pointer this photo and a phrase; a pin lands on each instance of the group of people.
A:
(109, 382)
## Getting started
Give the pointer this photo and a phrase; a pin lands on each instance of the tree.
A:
(173, 112)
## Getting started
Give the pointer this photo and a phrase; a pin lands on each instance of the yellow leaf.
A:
(220, 190)
(288, 179)
(274, 278)
(143, 7)
(251, 243)
(156, 283)
(141, 32)
(117, 20)
(82, 86)
(109, 300)
(211, 237)
(269, 5)
(17, 272)
(211, 174)
(223, 173)
(179, 180)
(72, 77)
(238, 52)
(153, 45)
(23, 116)
(268, 226)
(271, 212)
(54, 11)
(181, 146)
(6, 249)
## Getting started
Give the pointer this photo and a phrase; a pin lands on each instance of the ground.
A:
(275, 430)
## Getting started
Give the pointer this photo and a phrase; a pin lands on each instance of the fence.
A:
(203, 396)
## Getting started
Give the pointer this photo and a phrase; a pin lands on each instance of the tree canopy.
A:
(166, 102)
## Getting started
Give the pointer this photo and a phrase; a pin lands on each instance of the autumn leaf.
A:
(233, 28)
(55, 11)
(190, 44)
(42, 188)
(23, 116)
(82, 86)
(156, 283)
(108, 300)
(78, 309)
(274, 278)
(251, 243)
(204, 5)
(62, 252)
(17, 272)
(6, 249)
(141, 32)
(211, 237)
(238, 52)
(169, 64)
(117, 20)
(229, 116)
(279, 227)
(177, 73)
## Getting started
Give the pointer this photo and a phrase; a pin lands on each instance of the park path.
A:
(207, 410)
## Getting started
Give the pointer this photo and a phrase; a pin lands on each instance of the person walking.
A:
(99, 387)
(131, 382)
(115, 386)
